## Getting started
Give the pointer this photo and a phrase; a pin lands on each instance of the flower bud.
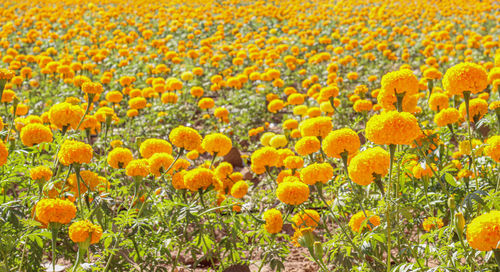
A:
(459, 223)
(451, 203)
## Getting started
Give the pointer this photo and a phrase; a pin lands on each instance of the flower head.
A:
(341, 141)
(367, 164)
(217, 144)
(274, 221)
(357, 220)
(483, 232)
(465, 77)
(54, 210)
(185, 137)
(75, 152)
(33, 134)
(392, 127)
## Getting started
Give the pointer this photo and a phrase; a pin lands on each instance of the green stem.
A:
(392, 151)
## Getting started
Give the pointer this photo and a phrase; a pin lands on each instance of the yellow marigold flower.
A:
(152, 146)
(282, 155)
(75, 152)
(300, 110)
(65, 115)
(55, 211)
(206, 103)
(91, 123)
(316, 172)
(6, 74)
(293, 162)
(317, 126)
(116, 143)
(446, 117)
(8, 96)
(278, 141)
(494, 105)
(340, 141)
(193, 155)
(431, 223)
(292, 191)
(465, 77)
(159, 163)
(239, 189)
(137, 103)
(266, 138)
(119, 157)
(217, 144)
(33, 134)
(392, 127)
(4, 153)
(368, 164)
(401, 81)
(274, 221)
(363, 105)
(221, 113)
(199, 178)
(359, 218)
(275, 105)
(388, 101)
(483, 232)
(300, 236)
(185, 137)
(477, 109)
(92, 87)
(306, 218)
(137, 168)
(169, 97)
(492, 148)
(295, 99)
(85, 231)
(438, 101)
(307, 145)
(41, 173)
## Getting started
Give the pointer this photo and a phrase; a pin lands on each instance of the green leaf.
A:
(450, 179)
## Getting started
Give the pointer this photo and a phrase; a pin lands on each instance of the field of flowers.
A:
(235, 135)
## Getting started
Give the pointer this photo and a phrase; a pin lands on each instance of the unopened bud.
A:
(459, 222)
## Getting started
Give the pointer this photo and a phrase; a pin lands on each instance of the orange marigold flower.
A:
(200, 178)
(341, 141)
(306, 218)
(4, 153)
(274, 221)
(75, 152)
(316, 172)
(239, 189)
(392, 127)
(119, 157)
(465, 77)
(446, 117)
(292, 191)
(307, 145)
(159, 163)
(492, 148)
(483, 232)
(217, 144)
(55, 211)
(185, 137)
(317, 126)
(85, 232)
(401, 81)
(477, 109)
(33, 134)
(368, 164)
(431, 223)
(137, 168)
(65, 115)
(152, 146)
(92, 87)
(438, 101)
(358, 220)
(41, 173)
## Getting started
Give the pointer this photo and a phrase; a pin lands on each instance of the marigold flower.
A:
(85, 231)
(431, 223)
(275, 105)
(438, 101)
(293, 162)
(55, 211)
(446, 117)
(160, 162)
(317, 126)
(465, 77)
(199, 178)
(483, 232)
(477, 109)
(65, 115)
(262, 157)
(75, 152)
(114, 97)
(206, 103)
(185, 137)
(4, 153)
(357, 220)
(41, 173)
(278, 141)
(292, 191)
(137, 168)
(90, 180)
(340, 141)
(274, 221)
(392, 128)
(367, 164)
(316, 172)
(33, 134)
(217, 144)
(119, 157)
(306, 218)
(152, 146)
(307, 145)
(492, 148)
(178, 180)
(137, 103)
(239, 189)
(363, 105)
(401, 81)
(92, 87)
